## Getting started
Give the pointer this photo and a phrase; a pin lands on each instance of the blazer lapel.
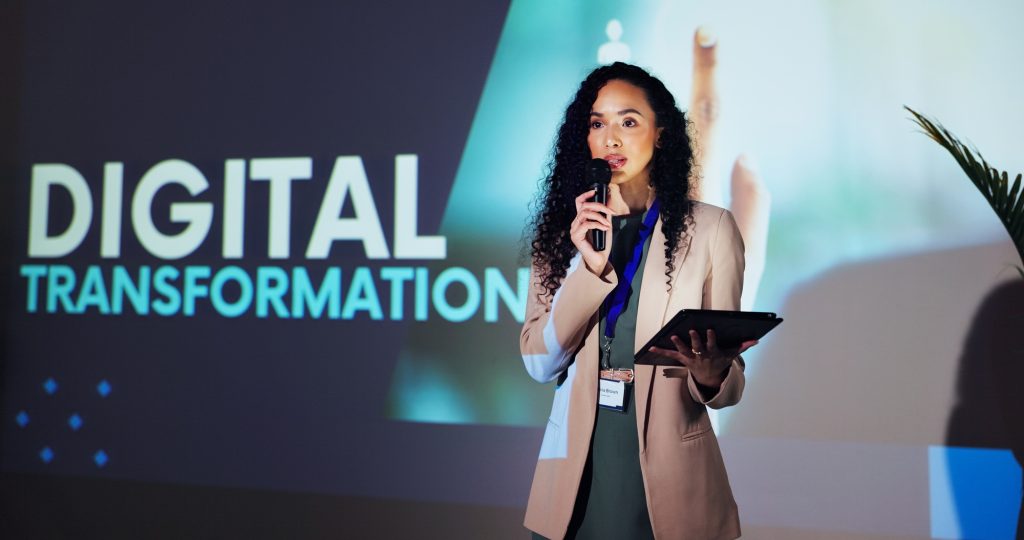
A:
(651, 315)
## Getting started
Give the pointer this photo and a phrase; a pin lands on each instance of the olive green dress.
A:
(610, 503)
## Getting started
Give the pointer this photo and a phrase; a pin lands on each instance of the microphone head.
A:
(598, 172)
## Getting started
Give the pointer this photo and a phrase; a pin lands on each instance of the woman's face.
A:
(623, 131)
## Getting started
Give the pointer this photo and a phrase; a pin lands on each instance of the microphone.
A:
(599, 174)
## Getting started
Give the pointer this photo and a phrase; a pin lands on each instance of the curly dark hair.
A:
(550, 245)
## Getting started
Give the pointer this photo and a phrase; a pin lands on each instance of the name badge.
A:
(612, 395)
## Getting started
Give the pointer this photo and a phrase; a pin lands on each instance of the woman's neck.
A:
(637, 195)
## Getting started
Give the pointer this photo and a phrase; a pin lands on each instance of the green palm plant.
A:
(1007, 201)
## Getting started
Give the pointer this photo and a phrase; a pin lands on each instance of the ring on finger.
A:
(696, 352)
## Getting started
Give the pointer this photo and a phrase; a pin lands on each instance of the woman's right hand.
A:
(592, 216)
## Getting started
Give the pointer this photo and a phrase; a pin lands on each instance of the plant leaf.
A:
(1017, 204)
(994, 185)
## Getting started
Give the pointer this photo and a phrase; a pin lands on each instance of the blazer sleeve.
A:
(722, 289)
(554, 327)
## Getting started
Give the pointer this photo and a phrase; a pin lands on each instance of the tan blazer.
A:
(688, 494)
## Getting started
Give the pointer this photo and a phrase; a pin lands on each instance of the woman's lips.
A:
(615, 161)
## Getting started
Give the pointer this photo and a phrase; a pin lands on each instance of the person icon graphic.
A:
(614, 50)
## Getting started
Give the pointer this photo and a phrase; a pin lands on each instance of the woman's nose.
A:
(612, 141)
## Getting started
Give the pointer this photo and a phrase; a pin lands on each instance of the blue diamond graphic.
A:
(46, 454)
(100, 457)
(103, 388)
(50, 386)
(75, 422)
(21, 419)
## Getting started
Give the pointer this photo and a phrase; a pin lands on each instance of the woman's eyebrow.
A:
(621, 113)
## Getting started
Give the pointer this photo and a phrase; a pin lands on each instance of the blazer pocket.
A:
(675, 372)
(695, 434)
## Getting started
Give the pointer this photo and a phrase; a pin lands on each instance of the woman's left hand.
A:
(708, 364)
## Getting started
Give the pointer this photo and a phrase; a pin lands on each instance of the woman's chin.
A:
(622, 178)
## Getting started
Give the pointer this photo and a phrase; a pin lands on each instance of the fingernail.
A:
(706, 37)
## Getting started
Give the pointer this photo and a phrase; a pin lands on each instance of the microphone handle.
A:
(597, 237)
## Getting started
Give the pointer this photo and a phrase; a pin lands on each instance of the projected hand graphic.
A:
(751, 201)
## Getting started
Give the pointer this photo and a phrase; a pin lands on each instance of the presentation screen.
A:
(284, 250)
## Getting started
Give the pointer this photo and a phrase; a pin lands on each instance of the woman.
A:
(650, 466)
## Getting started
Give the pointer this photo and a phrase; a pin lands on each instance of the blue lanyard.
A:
(618, 298)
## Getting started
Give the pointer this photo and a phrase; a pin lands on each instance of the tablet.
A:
(731, 328)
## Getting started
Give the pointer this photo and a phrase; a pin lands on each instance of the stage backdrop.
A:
(272, 254)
